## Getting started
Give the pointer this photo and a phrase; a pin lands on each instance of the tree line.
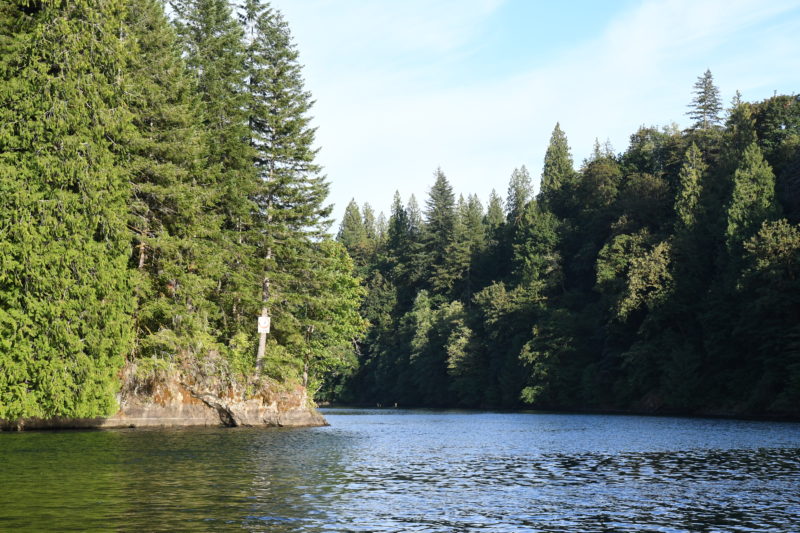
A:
(663, 278)
(158, 193)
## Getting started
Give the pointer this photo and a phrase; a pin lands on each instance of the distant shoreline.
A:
(615, 412)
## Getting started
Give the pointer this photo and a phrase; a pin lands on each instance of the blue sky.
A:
(476, 86)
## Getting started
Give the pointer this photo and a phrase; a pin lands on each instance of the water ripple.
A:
(411, 471)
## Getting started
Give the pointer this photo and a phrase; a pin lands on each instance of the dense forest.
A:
(158, 193)
(665, 278)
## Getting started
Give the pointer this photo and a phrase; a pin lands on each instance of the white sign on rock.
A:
(263, 324)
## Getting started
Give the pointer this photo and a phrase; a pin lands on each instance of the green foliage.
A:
(214, 51)
(520, 191)
(687, 201)
(353, 233)
(706, 105)
(171, 209)
(443, 255)
(753, 198)
(65, 290)
(327, 314)
(658, 279)
(159, 191)
(536, 257)
(558, 174)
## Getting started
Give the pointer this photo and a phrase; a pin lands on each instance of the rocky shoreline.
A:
(179, 399)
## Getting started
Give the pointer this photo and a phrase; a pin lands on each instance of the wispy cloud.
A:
(391, 106)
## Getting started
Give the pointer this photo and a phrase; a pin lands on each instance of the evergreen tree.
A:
(558, 166)
(397, 233)
(353, 233)
(520, 192)
(292, 215)
(536, 259)
(494, 213)
(740, 132)
(693, 264)
(401, 261)
(171, 210)
(415, 222)
(440, 225)
(472, 219)
(706, 105)
(65, 290)
(687, 201)
(753, 199)
(215, 55)
(381, 229)
(370, 224)
(459, 254)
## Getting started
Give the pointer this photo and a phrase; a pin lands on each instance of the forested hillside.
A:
(664, 278)
(158, 193)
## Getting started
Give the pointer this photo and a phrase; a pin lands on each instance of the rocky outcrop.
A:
(189, 398)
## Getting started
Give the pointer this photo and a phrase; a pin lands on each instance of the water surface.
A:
(397, 470)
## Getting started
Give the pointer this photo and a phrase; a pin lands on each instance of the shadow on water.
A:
(410, 471)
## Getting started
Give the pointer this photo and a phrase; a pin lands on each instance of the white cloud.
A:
(389, 114)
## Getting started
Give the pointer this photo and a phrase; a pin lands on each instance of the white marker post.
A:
(263, 329)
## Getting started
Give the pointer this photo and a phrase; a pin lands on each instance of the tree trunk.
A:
(262, 336)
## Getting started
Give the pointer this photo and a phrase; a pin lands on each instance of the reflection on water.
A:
(411, 471)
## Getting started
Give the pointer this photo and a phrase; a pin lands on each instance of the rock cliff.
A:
(188, 397)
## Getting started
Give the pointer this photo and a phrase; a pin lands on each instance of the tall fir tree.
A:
(370, 223)
(353, 233)
(520, 192)
(291, 197)
(171, 209)
(440, 222)
(558, 168)
(706, 104)
(494, 213)
(215, 55)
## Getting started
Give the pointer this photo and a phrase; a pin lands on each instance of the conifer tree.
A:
(352, 232)
(492, 263)
(753, 199)
(494, 213)
(459, 254)
(440, 222)
(290, 198)
(558, 166)
(171, 210)
(397, 233)
(215, 55)
(687, 200)
(369, 222)
(740, 132)
(535, 258)
(520, 191)
(65, 298)
(415, 222)
(381, 229)
(706, 105)
(472, 215)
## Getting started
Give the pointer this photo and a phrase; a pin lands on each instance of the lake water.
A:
(397, 470)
